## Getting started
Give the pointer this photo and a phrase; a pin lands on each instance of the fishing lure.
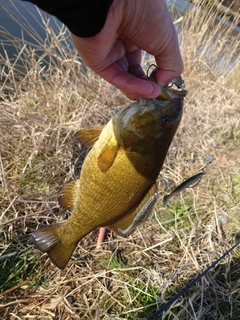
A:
(185, 184)
(141, 216)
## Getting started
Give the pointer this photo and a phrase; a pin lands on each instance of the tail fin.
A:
(47, 240)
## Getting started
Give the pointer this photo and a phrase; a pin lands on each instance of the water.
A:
(26, 14)
(33, 28)
(21, 19)
(181, 6)
(179, 9)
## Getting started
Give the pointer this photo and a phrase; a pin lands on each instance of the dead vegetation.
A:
(41, 105)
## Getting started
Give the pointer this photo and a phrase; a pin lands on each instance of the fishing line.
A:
(209, 162)
(187, 287)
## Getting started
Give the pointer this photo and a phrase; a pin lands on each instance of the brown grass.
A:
(40, 108)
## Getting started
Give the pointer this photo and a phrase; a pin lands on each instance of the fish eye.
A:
(167, 120)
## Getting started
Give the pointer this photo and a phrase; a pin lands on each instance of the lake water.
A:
(33, 29)
(24, 13)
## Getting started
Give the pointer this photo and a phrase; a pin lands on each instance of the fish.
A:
(117, 183)
(184, 185)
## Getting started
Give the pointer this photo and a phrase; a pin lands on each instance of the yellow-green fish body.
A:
(117, 177)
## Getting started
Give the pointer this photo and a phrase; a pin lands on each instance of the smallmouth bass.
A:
(118, 176)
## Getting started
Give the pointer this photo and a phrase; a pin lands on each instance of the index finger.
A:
(135, 88)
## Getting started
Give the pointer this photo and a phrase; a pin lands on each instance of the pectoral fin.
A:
(107, 157)
(67, 194)
(126, 225)
(108, 153)
(88, 136)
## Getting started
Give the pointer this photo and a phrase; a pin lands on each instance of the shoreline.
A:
(229, 8)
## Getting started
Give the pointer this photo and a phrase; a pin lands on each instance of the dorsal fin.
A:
(88, 136)
(67, 194)
(127, 222)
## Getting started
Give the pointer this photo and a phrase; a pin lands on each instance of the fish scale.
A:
(108, 184)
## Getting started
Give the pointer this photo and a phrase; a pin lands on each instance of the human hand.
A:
(115, 52)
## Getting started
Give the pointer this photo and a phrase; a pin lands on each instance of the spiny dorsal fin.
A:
(88, 136)
(128, 219)
(47, 240)
(67, 194)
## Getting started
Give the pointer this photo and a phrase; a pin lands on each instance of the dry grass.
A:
(40, 107)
